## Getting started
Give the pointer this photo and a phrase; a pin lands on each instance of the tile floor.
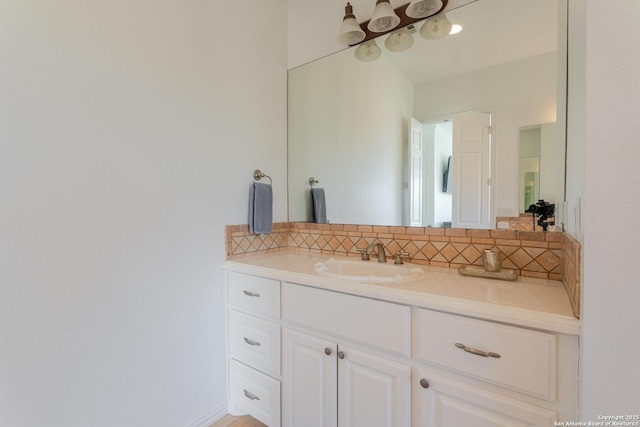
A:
(244, 421)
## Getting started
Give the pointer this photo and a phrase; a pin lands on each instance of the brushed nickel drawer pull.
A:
(251, 342)
(478, 352)
(251, 395)
(341, 355)
(327, 351)
(424, 383)
(251, 294)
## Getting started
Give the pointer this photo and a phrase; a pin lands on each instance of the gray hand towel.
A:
(260, 208)
(319, 206)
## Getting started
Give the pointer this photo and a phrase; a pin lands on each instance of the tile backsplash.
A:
(536, 254)
(524, 222)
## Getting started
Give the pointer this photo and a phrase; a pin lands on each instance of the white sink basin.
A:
(367, 271)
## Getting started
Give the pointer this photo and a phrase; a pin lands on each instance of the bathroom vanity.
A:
(442, 350)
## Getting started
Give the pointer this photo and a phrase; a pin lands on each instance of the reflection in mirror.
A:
(539, 170)
(350, 122)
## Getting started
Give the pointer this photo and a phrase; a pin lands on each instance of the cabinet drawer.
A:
(254, 295)
(382, 324)
(527, 359)
(255, 393)
(255, 342)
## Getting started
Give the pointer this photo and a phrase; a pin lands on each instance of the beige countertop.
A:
(534, 303)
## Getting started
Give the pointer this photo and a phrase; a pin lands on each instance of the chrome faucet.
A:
(382, 257)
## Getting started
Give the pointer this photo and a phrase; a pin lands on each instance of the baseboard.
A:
(210, 417)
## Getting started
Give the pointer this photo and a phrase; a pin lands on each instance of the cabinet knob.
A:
(424, 383)
(340, 355)
(327, 351)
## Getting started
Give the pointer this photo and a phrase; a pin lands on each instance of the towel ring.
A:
(312, 181)
(258, 175)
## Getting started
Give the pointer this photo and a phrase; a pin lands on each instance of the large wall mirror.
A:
(386, 138)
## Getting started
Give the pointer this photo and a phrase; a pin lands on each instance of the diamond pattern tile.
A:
(548, 260)
(411, 249)
(449, 252)
(393, 247)
(520, 258)
(322, 242)
(471, 254)
(429, 251)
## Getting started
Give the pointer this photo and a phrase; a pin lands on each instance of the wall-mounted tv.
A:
(447, 184)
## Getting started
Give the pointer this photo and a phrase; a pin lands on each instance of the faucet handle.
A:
(397, 258)
(364, 254)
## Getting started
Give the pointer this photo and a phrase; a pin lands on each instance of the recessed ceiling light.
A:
(455, 29)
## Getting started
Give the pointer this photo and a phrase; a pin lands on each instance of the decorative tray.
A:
(475, 271)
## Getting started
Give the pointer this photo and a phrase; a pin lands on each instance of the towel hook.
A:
(312, 181)
(258, 175)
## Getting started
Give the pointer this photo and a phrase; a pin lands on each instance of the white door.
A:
(373, 392)
(441, 402)
(309, 377)
(471, 171)
(415, 173)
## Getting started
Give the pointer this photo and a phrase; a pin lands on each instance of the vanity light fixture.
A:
(423, 8)
(350, 31)
(384, 18)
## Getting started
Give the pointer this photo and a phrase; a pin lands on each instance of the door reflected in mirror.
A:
(540, 174)
(436, 180)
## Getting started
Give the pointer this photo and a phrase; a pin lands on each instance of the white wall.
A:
(129, 131)
(496, 87)
(342, 127)
(551, 172)
(611, 293)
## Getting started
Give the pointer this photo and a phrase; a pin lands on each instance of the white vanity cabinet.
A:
(254, 346)
(319, 353)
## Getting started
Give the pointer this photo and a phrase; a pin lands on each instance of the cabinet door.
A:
(373, 392)
(309, 377)
(441, 402)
